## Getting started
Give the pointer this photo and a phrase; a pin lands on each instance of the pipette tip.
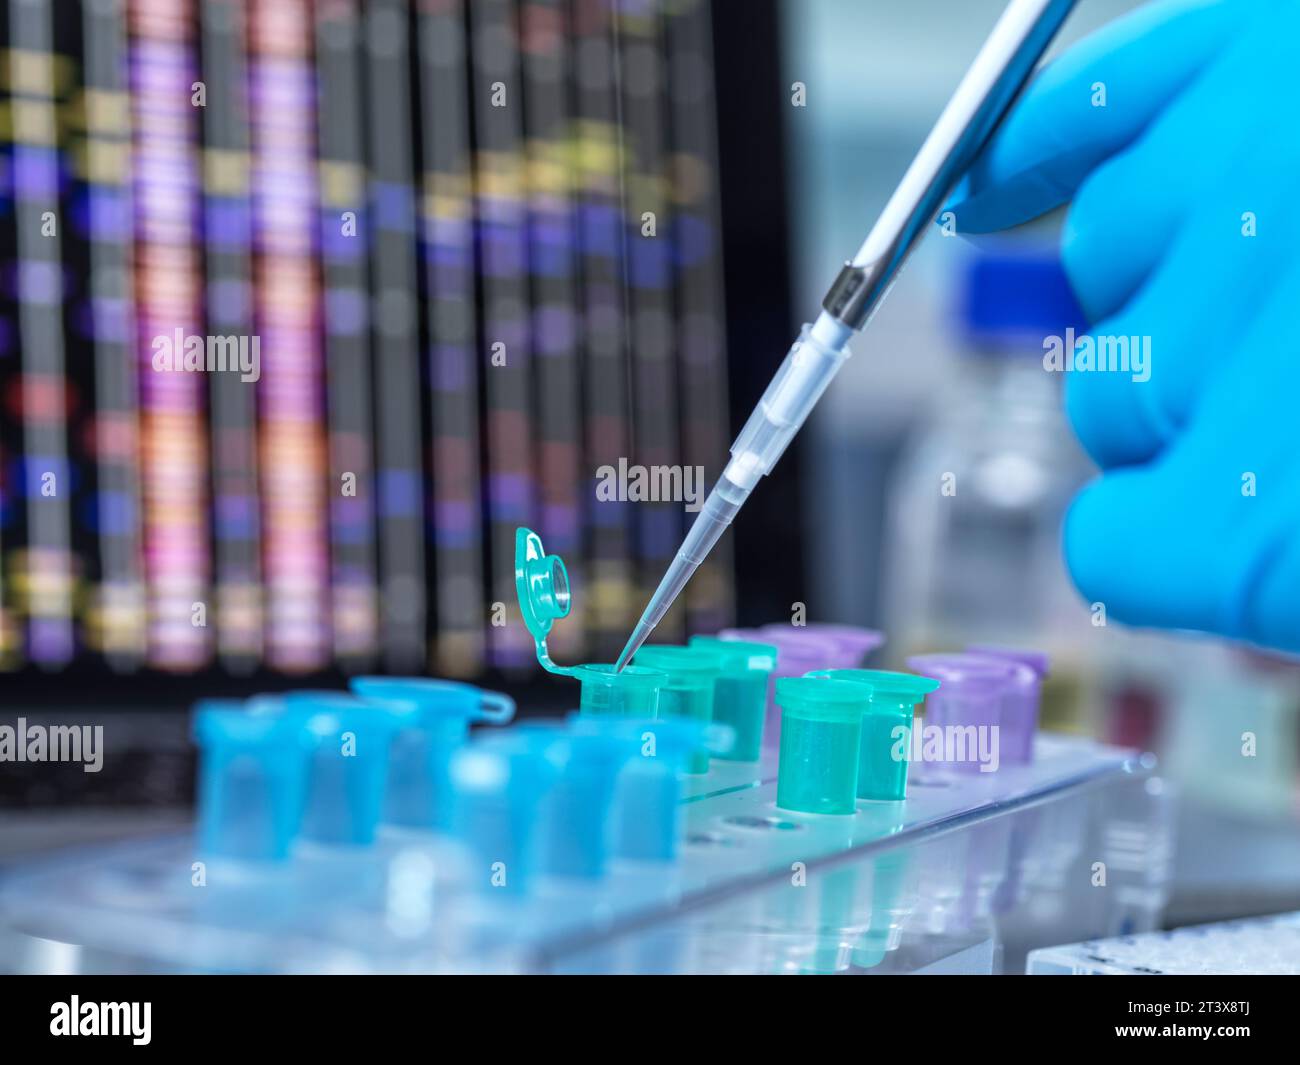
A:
(634, 643)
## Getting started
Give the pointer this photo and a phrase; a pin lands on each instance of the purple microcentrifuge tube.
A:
(1020, 707)
(850, 643)
(1038, 661)
(971, 693)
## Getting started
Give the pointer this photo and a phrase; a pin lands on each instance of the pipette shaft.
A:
(1003, 64)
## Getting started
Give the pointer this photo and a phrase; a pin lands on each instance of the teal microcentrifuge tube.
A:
(886, 728)
(821, 733)
(797, 654)
(688, 691)
(418, 792)
(740, 691)
(545, 595)
(632, 693)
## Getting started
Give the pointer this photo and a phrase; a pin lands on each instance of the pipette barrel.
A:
(809, 367)
(1003, 64)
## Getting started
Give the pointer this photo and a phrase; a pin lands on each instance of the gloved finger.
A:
(1204, 536)
(1126, 214)
(1174, 546)
(1191, 314)
(1243, 428)
(1057, 134)
(1127, 553)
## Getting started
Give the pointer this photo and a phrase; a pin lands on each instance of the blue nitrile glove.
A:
(1195, 521)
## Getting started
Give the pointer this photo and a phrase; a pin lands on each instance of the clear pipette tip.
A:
(639, 636)
(679, 572)
(709, 524)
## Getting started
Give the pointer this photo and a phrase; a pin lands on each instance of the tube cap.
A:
(887, 687)
(963, 672)
(798, 651)
(1015, 296)
(541, 583)
(1038, 661)
(822, 697)
(739, 656)
(542, 588)
(685, 666)
(439, 698)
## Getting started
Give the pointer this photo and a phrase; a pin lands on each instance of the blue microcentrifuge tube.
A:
(418, 793)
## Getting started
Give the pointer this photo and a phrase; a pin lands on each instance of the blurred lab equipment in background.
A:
(973, 547)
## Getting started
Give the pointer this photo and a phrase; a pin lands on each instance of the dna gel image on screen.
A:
(306, 307)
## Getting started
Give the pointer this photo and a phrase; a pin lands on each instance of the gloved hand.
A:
(1184, 228)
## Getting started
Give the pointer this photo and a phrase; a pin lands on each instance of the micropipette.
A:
(985, 93)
